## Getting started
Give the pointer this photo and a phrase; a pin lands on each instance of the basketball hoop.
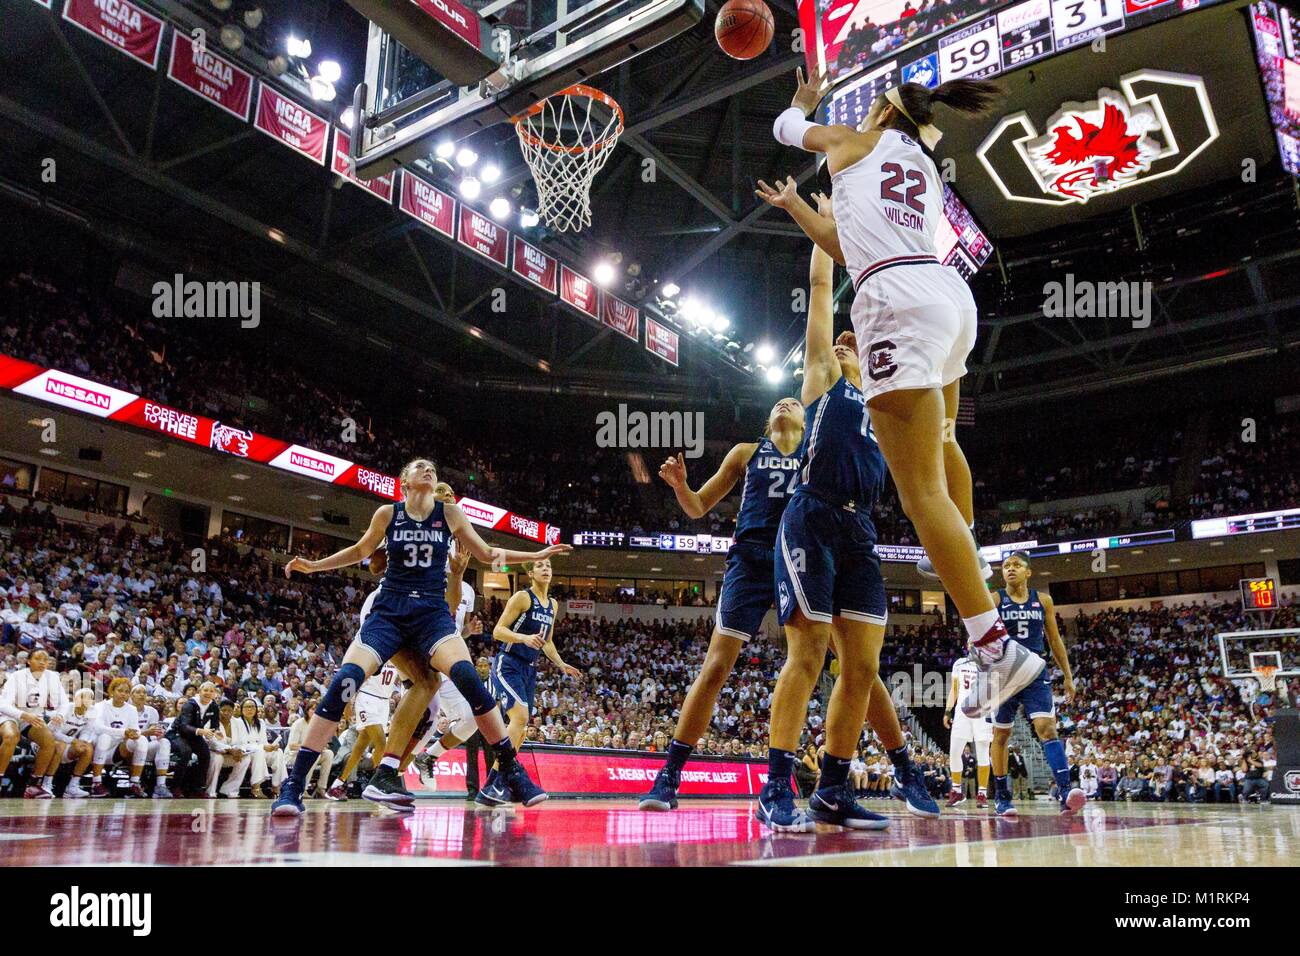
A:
(565, 144)
(1266, 674)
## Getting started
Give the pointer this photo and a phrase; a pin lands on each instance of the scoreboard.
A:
(986, 45)
(1246, 524)
(1258, 594)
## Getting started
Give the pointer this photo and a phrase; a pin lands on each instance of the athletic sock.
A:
(303, 761)
(678, 754)
(986, 635)
(48, 782)
(1054, 751)
(835, 772)
(505, 754)
(391, 761)
(1001, 787)
(780, 764)
(436, 749)
(902, 763)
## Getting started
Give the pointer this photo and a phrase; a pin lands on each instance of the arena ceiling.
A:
(172, 182)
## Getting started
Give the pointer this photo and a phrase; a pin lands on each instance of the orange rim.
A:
(578, 89)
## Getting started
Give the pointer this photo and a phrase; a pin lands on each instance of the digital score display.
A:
(1258, 594)
(1277, 51)
(1246, 524)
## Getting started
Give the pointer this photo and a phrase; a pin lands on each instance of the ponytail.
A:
(967, 96)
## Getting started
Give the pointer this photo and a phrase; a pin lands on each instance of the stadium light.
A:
(331, 70)
(721, 323)
(500, 207)
(491, 173)
(445, 150)
(764, 354)
(603, 273)
(298, 48)
(670, 289)
(527, 218)
(775, 375)
(322, 89)
(466, 157)
(470, 188)
(348, 117)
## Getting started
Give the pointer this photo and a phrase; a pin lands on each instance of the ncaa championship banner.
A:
(121, 24)
(78, 394)
(212, 77)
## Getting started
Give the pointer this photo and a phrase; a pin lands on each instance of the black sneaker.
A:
(387, 787)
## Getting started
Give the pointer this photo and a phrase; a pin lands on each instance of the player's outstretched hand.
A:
(297, 564)
(552, 551)
(673, 471)
(809, 91)
(473, 626)
(571, 671)
(825, 209)
(782, 197)
(459, 561)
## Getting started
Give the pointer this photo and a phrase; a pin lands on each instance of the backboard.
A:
(1242, 651)
(508, 55)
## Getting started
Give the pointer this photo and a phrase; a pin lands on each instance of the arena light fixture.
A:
(348, 117)
(528, 218)
(466, 157)
(253, 17)
(232, 38)
(331, 70)
(670, 290)
(52, 452)
(775, 374)
(764, 354)
(490, 173)
(297, 48)
(445, 150)
(470, 187)
(500, 207)
(721, 323)
(690, 310)
(141, 474)
(322, 89)
(603, 273)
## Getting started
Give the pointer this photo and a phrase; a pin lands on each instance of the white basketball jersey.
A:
(965, 672)
(465, 608)
(888, 205)
(365, 608)
(383, 684)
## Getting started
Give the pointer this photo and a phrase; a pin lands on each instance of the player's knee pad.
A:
(347, 681)
(465, 678)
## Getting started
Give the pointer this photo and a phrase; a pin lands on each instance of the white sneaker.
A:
(73, 791)
(926, 569)
(998, 681)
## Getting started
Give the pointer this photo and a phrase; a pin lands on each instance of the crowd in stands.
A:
(122, 600)
(60, 323)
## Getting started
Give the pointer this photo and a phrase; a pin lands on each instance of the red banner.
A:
(285, 121)
(462, 21)
(342, 166)
(431, 206)
(605, 772)
(620, 316)
(212, 77)
(103, 401)
(578, 291)
(660, 340)
(536, 266)
(120, 24)
(484, 236)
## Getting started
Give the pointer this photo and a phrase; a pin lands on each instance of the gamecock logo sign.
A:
(1122, 138)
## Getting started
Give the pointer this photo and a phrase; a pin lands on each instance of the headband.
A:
(930, 134)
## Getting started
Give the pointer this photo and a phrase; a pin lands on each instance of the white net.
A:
(566, 139)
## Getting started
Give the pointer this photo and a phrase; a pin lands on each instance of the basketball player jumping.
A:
(829, 589)
(915, 321)
(411, 612)
(768, 470)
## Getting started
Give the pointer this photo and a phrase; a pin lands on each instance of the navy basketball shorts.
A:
(826, 564)
(747, 591)
(1036, 699)
(513, 681)
(404, 619)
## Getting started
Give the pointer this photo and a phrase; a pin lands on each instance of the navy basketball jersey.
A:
(1024, 622)
(770, 478)
(417, 551)
(538, 619)
(841, 461)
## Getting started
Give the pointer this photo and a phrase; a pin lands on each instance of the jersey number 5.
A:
(895, 174)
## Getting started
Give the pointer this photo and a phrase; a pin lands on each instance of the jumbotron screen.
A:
(1277, 48)
(931, 42)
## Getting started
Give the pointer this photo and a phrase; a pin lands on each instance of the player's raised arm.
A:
(352, 554)
(821, 369)
(819, 228)
(510, 614)
(696, 504)
(1056, 644)
(477, 547)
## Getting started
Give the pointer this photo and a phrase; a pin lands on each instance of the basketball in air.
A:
(744, 28)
